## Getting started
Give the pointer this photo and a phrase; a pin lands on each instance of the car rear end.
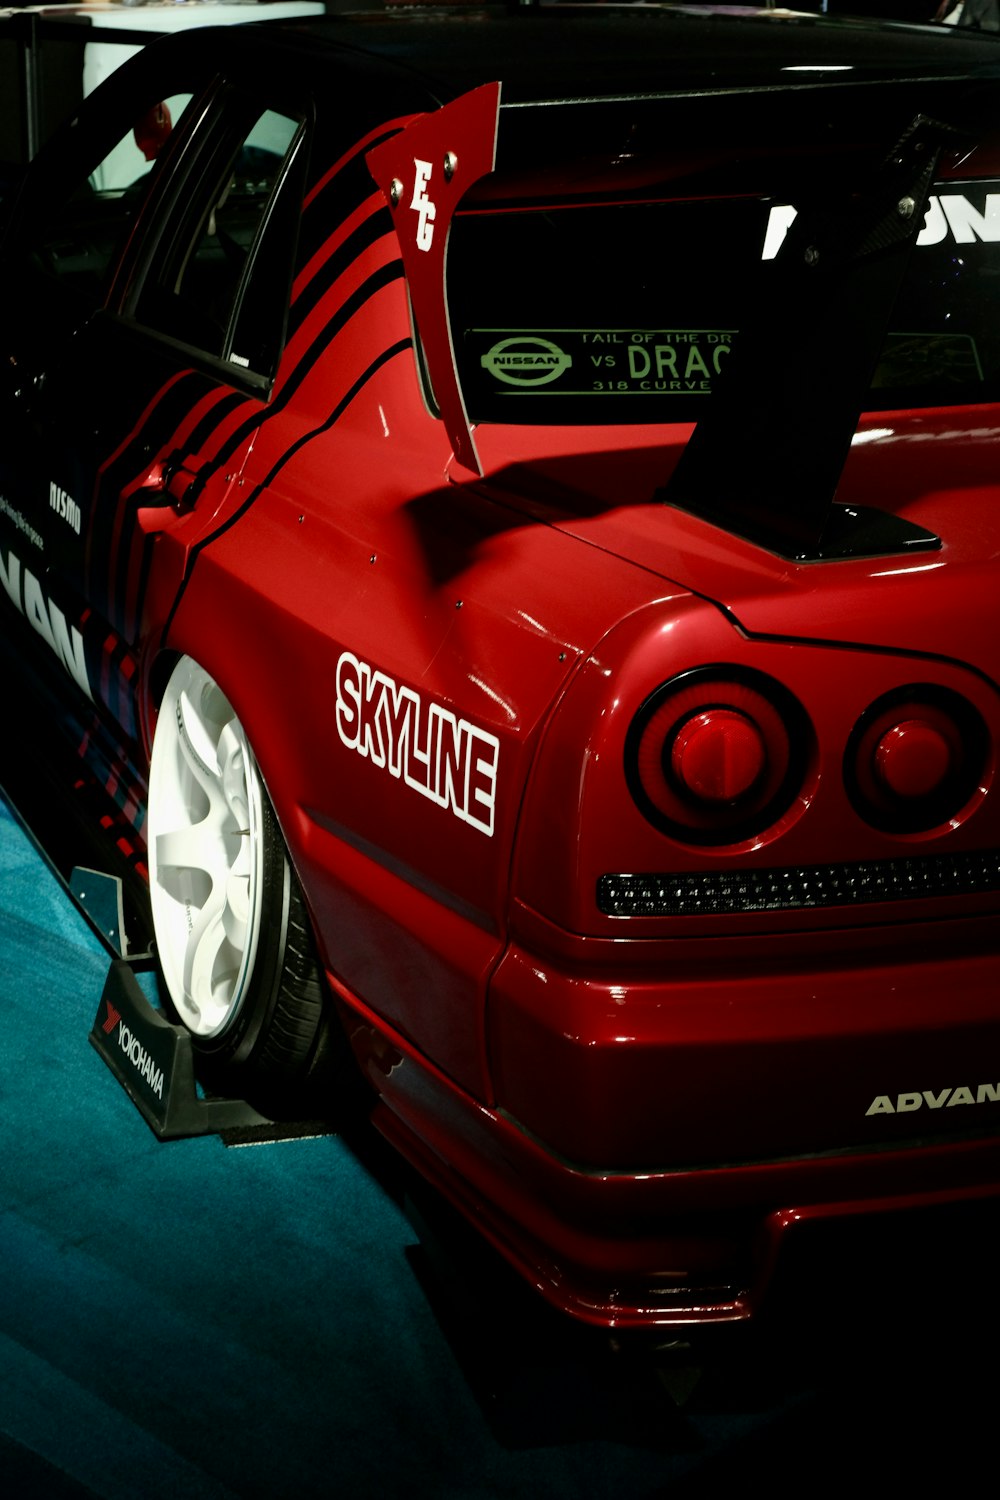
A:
(748, 1014)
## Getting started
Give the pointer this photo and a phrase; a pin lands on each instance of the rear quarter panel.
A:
(355, 564)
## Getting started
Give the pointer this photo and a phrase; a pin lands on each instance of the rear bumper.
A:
(645, 1247)
(804, 1239)
(648, 1056)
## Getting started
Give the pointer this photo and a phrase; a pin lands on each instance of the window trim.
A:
(199, 152)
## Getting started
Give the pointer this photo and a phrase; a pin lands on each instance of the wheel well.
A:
(159, 676)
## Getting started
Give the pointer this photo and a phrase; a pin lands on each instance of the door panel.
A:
(140, 365)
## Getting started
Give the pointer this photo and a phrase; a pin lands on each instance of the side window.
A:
(127, 163)
(234, 230)
(82, 239)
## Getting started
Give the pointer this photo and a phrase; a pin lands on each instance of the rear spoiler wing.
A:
(766, 459)
(424, 172)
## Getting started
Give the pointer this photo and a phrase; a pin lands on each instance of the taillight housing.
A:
(717, 754)
(915, 759)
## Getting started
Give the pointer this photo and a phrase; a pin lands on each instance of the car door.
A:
(153, 274)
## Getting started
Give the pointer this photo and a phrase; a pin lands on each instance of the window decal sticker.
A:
(526, 360)
(950, 213)
(601, 361)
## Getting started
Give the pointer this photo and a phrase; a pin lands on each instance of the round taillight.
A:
(915, 759)
(716, 755)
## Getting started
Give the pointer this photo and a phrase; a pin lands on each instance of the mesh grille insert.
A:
(689, 895)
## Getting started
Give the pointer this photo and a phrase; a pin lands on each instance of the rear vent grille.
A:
(708, 895)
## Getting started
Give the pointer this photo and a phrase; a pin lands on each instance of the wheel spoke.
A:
(189, 849)
(237, 909)
(197, 748)
(236, 915)
(232, 766)
(201, 962)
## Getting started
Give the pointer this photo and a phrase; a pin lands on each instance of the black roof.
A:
(553, 51)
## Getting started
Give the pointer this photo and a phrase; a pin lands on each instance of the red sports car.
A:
(499, 542)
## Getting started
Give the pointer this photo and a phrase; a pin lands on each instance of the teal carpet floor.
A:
(185, 1319)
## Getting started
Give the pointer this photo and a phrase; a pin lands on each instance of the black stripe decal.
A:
(393, 271)
(381, 278)
(307, 437)
(373, 228)
(123, 563)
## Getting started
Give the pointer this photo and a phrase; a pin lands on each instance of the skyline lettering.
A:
(448, 760)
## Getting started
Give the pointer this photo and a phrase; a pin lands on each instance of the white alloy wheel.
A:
(206, 852)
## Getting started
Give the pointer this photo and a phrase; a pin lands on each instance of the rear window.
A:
(628, 312)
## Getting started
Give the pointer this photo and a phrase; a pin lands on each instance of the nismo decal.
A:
(48, 621)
